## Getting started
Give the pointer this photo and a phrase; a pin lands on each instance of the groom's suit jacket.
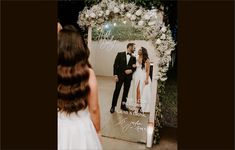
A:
(120, 65)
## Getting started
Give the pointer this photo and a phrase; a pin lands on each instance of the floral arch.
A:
(149, 22)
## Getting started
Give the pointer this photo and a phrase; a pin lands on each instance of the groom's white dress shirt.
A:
(127, 57)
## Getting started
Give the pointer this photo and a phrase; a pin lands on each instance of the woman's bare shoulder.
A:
(91, 71)
(92, 78)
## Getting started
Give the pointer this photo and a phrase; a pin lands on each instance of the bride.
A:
(139, 96)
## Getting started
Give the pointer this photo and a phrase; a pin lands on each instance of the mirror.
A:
(127, 102)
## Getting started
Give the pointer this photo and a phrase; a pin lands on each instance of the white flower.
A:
(122, 6)
(164, 47)
(151, 23)
(158, 41)
(166, 59)
(92, 15)
(163, 37)
(116, 10)
(163, 29)
(141, 23)
(163, 78)
(103, 5)
(95, 7)
(107, 12)
(164, 70)
(138, 12)
(146, 16)
(101, 13)
(87, 16)
(128, 15)
(133, 17)
(168, 52)
(100, 20)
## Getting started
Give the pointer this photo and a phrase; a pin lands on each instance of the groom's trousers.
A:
(121, 81)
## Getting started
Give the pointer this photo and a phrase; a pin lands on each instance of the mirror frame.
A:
(151, 122)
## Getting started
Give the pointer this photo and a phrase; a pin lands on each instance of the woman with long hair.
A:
(78, 108)
(139, 97)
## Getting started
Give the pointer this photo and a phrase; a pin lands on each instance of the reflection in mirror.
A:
(122, 59)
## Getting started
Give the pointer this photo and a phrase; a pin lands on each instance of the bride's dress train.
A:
(139, 77)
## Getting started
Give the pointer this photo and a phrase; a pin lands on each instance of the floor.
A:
(106, 87)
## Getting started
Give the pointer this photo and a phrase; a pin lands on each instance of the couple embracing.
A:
(133, 73)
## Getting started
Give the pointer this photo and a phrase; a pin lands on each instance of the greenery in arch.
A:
(118, 31)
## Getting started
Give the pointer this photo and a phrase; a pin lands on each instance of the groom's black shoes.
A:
(112, 110)
(124, 108)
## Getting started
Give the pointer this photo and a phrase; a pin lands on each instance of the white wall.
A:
(104, 52)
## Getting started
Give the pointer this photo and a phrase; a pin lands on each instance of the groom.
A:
(123, 68)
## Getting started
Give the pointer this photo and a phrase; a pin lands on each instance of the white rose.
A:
(95, 7)
(163, 37)
(164, 47)
(166, 59)
(122, 6)
(100, 20)
(101, 13)
(146, 17)
(102, 5)
(141, 23)
(138, 12)
(116, 10)
(163, 29)
(128, 15)
(92, 15)
(151, 23)
(158, 41)
(133, 17)
(107, 12)
(163, 78)
(164, 70)
(87, 16)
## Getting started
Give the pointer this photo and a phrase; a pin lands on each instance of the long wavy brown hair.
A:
(72, 70)
(145, 56)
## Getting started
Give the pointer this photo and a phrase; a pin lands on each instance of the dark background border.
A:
(28, 75)
(205, 75)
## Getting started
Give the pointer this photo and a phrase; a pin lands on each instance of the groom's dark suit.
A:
(119, 67)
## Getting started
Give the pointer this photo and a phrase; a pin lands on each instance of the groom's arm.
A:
(116, 65)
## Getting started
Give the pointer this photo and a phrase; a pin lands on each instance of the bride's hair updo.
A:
(145, 56)
(72, 71)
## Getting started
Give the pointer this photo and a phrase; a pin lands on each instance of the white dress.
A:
(77, 132)
(139, 76)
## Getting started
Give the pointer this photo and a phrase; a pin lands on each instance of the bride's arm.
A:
(93, 103)
(147, 66)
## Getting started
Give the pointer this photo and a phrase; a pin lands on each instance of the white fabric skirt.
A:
(77, 132)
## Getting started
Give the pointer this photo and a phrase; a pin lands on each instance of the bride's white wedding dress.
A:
(139, 76)
(76, 131)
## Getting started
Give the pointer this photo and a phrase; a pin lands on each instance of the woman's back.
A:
(78, 109)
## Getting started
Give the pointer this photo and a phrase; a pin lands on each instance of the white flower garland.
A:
(153, 27)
